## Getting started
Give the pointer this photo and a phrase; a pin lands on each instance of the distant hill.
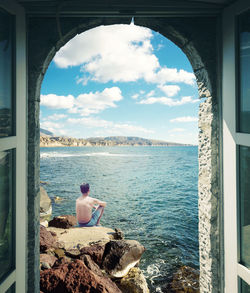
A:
(45, 132)
(48, 140)
(129, 140)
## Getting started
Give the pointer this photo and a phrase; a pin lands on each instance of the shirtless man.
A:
(84, 206)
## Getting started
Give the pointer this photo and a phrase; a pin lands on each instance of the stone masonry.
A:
(197, 38)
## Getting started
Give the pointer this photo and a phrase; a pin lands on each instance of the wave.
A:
(97, 154)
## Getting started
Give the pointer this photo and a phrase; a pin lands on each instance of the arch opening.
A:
(123, 67)
(202, 74)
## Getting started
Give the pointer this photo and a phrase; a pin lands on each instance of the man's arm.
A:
(99, 202)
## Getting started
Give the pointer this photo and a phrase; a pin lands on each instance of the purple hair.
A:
(84, 187)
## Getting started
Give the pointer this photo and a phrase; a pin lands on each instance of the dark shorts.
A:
(95, 216)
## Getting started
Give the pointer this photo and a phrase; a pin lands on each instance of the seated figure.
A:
(84, 206)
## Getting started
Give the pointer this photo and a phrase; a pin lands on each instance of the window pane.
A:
(6, 74)
(12, 289)
(244, 73)
(7, 214)
(245, 288)
(244, 204)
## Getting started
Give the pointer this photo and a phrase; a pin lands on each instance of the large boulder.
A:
(77, 238)
(76, 277)
(133, 282)
(64, 222)
(120, 256)
(45, 204)
(47, 239)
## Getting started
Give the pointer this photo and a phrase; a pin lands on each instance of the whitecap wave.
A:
(154, 271)
(57, 155)
(97, 154)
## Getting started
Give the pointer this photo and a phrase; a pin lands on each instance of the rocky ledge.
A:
(96, 259)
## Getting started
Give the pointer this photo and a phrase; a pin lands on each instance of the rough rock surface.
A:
(75, 277)
(47, 258)
(77, 238)
(133, 282)
(120, 256)
(44, 223)
(45, 204)
(47, 240)
(186, 279)
(65, 222)
(62, 261)
(95, 252)
(118, 235)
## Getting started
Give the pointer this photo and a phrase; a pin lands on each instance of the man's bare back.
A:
(84, 207)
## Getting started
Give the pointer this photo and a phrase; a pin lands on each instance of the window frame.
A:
(19, 143)
(232, 139)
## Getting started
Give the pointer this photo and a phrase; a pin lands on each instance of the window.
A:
(236, 146)
(12, 148)
(7, 34)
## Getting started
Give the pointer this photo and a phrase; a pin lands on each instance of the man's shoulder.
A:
(80, 198)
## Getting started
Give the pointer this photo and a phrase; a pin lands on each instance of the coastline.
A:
(60, 141)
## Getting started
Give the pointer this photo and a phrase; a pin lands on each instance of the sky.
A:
(121, 80)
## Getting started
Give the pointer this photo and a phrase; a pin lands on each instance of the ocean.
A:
(151, 195)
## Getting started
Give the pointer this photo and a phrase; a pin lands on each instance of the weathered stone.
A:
(133, 282)
(45, 204)
(44, 223)
(186, 279)
(91, 265)
(62, 261)
(47, 240)
(77, 238)
(95, 252)
(118, 235)
(45, 266)
(75, 277)
(64, 222)
(73, 253)
(120, 256)
(47, 258)
(59, 252)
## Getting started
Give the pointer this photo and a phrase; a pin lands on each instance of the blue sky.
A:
(121, 80)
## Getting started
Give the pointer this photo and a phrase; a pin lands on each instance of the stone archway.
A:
(197, 39)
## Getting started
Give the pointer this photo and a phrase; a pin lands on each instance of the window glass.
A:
(12, 289)
(244, 204)
(245, 288)
(244, 74)
(6, 74)
(7, 213)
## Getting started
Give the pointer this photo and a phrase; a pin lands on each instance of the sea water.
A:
(151, 195)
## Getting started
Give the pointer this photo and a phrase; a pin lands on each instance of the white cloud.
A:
(185, 119)
(55, 128)
(118, 53)
(95, 102)
(135, 96)
(85, 104)
(170, 90)
(174, 130)
(115, 52)
(55, 117)
(57, 102)
(166, 75)
(167, 101)
(119, 128)
(151, 93)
